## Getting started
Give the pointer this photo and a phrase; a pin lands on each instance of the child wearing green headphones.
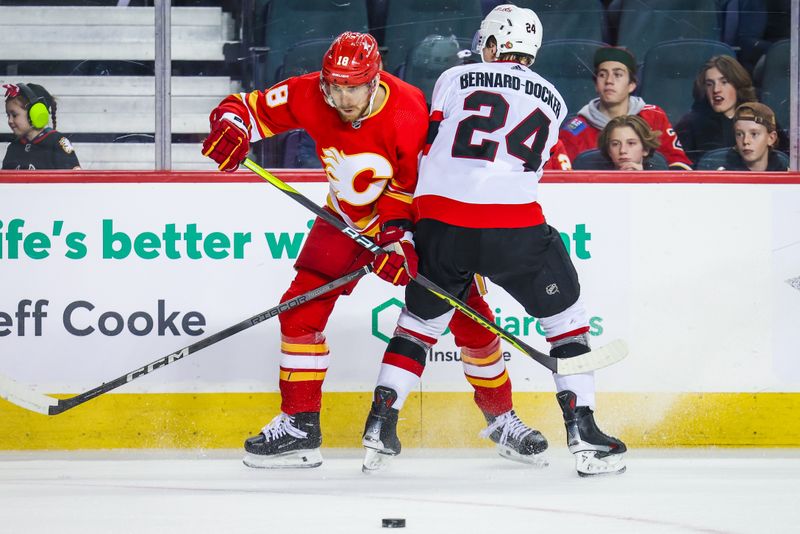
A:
(30, 109)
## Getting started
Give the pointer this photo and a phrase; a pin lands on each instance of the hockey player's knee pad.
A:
(427, 328)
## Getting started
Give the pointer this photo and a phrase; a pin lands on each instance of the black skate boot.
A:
(380, 432)
(287, 441)
(595, 453)
(515, 440)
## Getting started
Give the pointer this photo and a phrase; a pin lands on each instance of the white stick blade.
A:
(598, 358)
(23, 396)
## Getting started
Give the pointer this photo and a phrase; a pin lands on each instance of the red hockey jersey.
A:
(559, 159)
(372, 168)
(578, 135)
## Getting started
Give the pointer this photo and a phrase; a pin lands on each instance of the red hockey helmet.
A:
(352, 59)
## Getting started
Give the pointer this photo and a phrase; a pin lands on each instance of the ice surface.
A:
(436, 491)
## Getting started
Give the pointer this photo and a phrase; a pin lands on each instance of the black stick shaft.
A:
(66, 404)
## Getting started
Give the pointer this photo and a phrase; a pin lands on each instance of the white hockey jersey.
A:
(492, 126)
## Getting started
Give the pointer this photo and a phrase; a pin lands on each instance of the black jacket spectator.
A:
(48, 150)
(703, 129)
(734, 162)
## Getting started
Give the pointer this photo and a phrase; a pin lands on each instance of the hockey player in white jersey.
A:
(492, 126)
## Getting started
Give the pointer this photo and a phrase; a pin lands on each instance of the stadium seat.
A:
(670, 69)
(429, 58)
(287, 22)
(299, 151)
(408, 22)
(645, 23)
(774, 81)
(295, 149)
(302, 57)
(593, 160)
(569, 19)
(567, 64)
(714, 159)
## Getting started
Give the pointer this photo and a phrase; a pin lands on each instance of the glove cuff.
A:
(235, 119)
(408, 236)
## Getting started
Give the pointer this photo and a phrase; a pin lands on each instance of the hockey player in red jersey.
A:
(492, 127)
(369, 128)
(615, 81)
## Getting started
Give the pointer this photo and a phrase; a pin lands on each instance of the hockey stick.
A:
(27, 398)
(595, 359)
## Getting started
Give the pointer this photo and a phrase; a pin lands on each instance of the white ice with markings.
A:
(664, 491)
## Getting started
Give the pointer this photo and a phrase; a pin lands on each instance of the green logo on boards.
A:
(517, 325)
(376, 312)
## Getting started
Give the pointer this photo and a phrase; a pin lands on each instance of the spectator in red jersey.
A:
(615, 82)
(369, 128)
(559, 159)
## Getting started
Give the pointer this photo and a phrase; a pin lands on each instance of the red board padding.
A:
(317, 175)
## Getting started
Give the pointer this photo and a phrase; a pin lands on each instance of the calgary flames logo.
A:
(358, 179)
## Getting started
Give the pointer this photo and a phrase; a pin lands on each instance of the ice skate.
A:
(380, 432)
(515, 440)
(287, 441)
(595, 453)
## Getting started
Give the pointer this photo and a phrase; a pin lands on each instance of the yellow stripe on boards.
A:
(224, 420)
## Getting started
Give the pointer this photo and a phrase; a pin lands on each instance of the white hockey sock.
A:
(582, 385)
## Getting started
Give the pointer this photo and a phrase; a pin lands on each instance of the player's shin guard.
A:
(304, 362)
(595, 452)
(485, 370)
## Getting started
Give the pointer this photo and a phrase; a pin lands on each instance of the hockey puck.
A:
(393, 523)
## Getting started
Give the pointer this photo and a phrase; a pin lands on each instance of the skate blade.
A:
(536, 460)
(375, 460)
(589, 465)
(301, 459)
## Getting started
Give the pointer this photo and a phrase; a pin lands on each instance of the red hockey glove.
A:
(228, 143)
(399, 264)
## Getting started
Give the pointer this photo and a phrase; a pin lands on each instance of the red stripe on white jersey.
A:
(469, 215)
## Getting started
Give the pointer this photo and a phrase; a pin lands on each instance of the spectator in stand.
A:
(559, 159)
(628, 142)
(615, 82)
(720, 86)
(29, 109)
(756, 134)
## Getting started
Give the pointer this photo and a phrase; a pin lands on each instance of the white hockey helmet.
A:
(516, 29)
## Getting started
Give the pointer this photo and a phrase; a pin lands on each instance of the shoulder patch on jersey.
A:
(517, 67)
(66, 146)
(649, 106)
(575, 126)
